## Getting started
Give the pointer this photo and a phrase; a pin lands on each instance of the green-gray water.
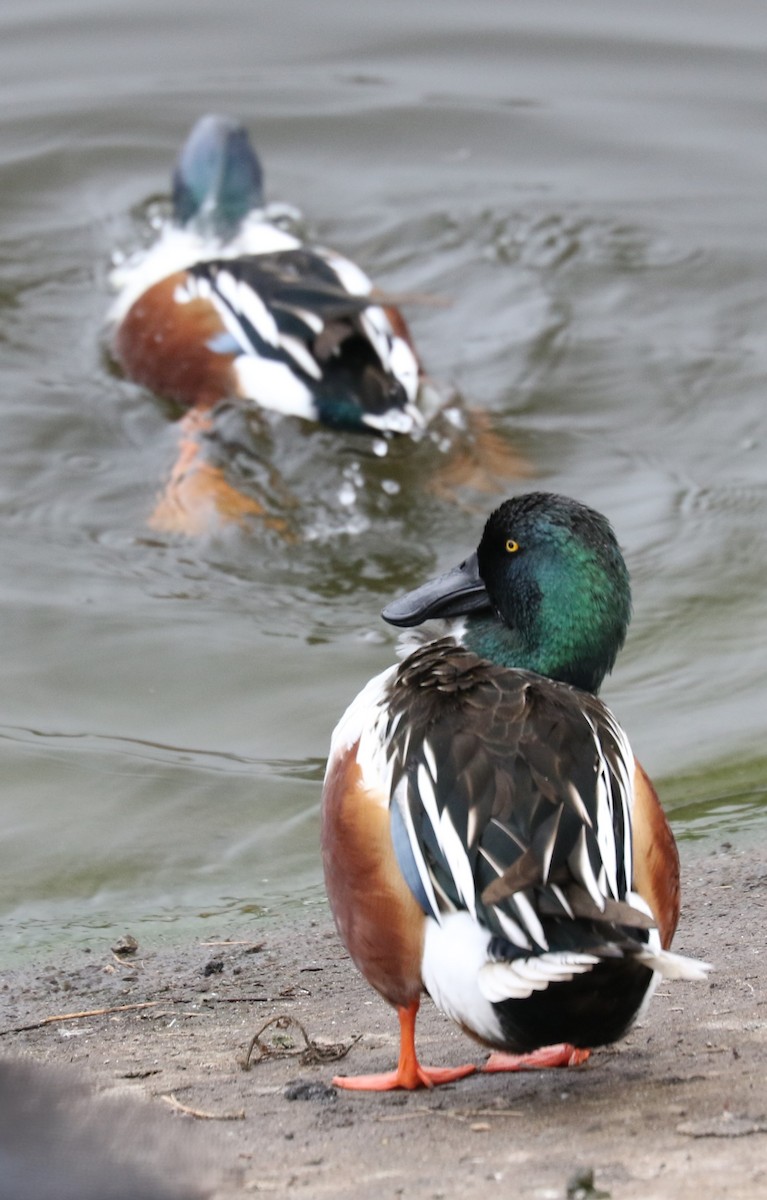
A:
(587, 185)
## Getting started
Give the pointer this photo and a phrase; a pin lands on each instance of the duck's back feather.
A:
(292, 309)
(516, 794)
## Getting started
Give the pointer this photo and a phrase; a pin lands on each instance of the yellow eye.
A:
(512, 546)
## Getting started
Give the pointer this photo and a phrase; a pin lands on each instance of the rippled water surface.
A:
(582, 191)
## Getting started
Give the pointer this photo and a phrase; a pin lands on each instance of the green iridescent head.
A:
(547, 591)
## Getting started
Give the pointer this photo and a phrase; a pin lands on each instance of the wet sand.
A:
(678, 1109)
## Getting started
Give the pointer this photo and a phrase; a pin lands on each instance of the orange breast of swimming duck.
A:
(166, 346)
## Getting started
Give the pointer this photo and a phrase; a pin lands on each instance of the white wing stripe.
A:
(560, 895)
(458, 862)
(242, 299)
(425, 786)
(530, 919)
(431, 761)
(300, 355)
(512, 931)
(578, 804)
(580, 865)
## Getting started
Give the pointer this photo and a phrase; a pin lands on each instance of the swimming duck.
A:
(228, 304)
(487, 834)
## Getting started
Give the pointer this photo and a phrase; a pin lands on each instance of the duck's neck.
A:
(558, 650)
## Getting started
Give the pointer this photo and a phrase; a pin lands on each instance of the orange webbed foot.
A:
(198, 499)
(409, 1073)
(389, 1081)
(561, 1055)
(482, 460)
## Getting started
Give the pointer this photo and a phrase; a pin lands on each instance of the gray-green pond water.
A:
(587, 185)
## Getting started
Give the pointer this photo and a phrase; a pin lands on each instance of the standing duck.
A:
(487, 834)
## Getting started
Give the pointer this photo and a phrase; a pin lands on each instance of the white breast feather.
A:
(364, 721)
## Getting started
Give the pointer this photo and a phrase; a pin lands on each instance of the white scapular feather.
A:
(301, 356)
(580, 865)
(562, 898)
(243, 300)
(578, 805)
(310, 319)
(425, 785)
(458, 861)
(351, 277)
(431, 761)
(530, 920)
(605, 832)
(379, 332)
(511, 930)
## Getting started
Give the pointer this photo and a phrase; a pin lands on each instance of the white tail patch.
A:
(675, 966)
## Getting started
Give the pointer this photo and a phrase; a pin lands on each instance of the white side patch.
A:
(365, 722)
(454, 954)
(274, 386)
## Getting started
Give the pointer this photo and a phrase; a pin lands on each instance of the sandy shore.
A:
(678, 1109)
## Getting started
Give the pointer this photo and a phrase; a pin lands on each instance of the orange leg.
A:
(197, 497)
(409, 1073)
(481, 460)
(561, 1055)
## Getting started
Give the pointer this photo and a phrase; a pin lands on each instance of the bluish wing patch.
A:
(406, 860)
(224, 343)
